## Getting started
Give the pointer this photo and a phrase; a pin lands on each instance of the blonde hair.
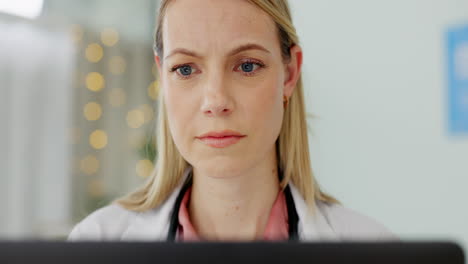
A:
(292, 143)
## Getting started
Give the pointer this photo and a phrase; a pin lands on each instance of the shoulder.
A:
(348, 224)
(332, 221)
(114, 222)
(107, 223)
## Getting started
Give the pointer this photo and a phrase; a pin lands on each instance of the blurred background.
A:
(78, 93)
(386, 82)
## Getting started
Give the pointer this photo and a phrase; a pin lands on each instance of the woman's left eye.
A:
(249, 67)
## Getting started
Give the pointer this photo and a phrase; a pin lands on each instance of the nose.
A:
(216, 98)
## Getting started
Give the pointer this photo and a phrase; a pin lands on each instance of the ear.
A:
(157, 59)
(293, 70)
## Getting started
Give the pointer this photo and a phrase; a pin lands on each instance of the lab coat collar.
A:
(154, 224)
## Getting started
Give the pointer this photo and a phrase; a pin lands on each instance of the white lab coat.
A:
(331, 222)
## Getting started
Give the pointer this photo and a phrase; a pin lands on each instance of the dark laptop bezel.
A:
(227, 253)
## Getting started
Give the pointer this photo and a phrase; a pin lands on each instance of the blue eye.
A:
(185, 70)
(247, 66)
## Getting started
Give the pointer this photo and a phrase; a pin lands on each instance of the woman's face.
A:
(222, 72)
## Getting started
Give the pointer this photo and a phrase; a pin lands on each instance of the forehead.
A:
(209, 26)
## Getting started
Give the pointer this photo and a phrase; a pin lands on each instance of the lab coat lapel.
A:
(154, 224)
(311, 226)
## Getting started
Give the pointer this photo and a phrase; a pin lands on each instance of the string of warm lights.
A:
(101, 70)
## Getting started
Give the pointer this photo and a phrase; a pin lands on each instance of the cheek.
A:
(178, 117)
(267, 109)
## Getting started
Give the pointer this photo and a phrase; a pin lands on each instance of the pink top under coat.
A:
(276, 228)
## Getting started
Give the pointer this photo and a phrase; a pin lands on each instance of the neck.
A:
(235, 207)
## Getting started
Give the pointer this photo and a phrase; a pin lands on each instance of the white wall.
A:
(375, 75)
(35, 96)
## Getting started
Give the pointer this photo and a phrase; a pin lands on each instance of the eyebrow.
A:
(244, 47)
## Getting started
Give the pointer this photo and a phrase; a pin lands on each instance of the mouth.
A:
(221, 139)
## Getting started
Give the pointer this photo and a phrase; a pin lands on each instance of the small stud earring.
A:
(285, 101)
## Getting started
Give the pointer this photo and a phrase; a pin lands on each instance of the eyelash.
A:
(258, 63)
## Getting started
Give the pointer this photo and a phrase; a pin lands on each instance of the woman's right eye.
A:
(184, 71)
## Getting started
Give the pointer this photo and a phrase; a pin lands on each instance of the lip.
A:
(221, 139)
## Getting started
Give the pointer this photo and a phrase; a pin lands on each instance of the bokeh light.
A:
(95, 81)
(92, 111)
(94, 52)
(109, 37)
(98, 139)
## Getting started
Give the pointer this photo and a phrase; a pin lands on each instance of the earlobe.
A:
(293, 70)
